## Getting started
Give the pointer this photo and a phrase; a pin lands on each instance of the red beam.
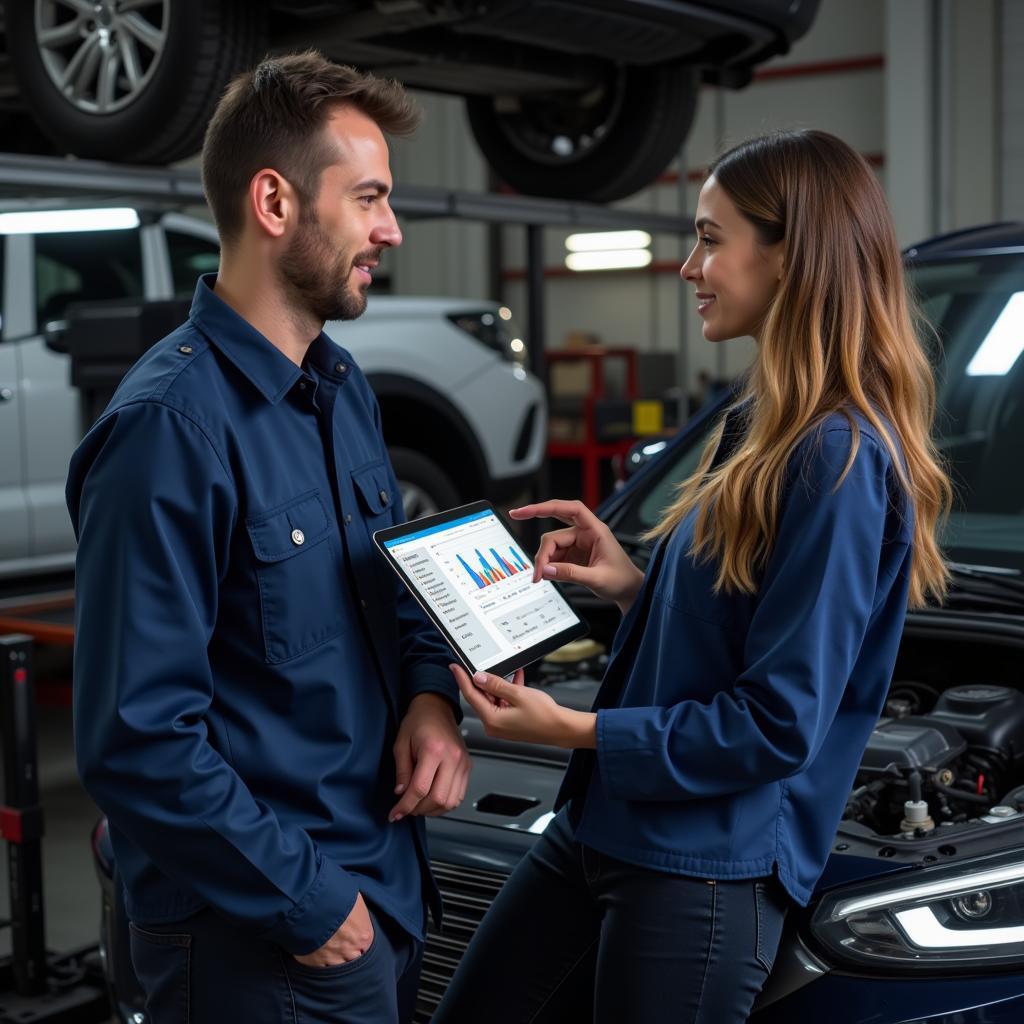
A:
(815, 69)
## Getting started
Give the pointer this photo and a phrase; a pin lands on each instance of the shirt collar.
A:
(272, 373)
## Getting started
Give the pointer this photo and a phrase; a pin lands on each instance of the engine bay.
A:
(946, 756)
(940, 758)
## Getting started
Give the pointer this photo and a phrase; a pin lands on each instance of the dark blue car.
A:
(919, 916)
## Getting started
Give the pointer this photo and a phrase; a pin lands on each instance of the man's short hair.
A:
(274, 115)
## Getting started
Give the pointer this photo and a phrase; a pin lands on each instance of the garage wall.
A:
(440, 257)
(942, 114)
(1011, 176)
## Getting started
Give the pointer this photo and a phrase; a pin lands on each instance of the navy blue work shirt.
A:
(730, 727)
(243, 656)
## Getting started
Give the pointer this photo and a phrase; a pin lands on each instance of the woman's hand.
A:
(512, 711)
(585, 552)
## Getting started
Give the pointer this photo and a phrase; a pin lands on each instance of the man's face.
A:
(327, 265)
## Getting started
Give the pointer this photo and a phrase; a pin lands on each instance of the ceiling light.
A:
(40, 222)
(614, 259)
(597, 240)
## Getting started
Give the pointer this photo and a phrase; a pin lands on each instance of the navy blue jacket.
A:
(730, 727)
(243, 655)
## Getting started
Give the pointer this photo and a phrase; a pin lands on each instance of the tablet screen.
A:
(476, 583)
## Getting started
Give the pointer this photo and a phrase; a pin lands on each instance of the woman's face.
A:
(734, 276)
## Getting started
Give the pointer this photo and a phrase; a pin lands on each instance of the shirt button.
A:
(348, 518)
(302, 385)
(362, 602)
(185, 350)
(340, 367)
(298, 537)
(384, 496)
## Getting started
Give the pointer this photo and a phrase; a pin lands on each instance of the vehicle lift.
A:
(36, 986)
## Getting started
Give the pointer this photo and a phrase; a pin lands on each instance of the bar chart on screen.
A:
(473, 576)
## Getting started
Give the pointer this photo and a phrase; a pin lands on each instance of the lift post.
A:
(21, 817)
(35, 986)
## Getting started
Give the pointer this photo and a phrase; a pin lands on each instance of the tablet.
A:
(471, 577)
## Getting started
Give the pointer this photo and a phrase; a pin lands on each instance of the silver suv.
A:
(463, 418)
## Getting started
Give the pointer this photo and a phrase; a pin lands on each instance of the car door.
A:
(14, 534)
(67, 267)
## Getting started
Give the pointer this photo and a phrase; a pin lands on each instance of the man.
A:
(260, 708)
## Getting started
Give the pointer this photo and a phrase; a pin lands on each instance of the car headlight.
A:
(496, 330)
(945, 918)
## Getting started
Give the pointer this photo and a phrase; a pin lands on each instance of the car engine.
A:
(941, 758)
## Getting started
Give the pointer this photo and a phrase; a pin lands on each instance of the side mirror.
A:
(55, 336)
(641, 453)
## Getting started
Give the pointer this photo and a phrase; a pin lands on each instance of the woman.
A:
(754, 656)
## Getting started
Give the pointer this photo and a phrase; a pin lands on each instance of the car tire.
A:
(599, 147)
(426, 488)
(160, 119)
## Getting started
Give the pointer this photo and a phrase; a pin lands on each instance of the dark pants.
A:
(204, 970)
(576, 936)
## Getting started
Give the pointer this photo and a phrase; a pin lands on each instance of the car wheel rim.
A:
(561, 133)
(416, 501)
(101, 54)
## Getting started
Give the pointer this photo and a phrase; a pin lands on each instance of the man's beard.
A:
(317, 280)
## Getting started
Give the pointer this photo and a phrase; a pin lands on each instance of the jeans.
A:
(577, 936)
(204, 970)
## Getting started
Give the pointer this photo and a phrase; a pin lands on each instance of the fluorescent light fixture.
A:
(41, 222)
(614, 259)
(1003, 344)
(593, 241)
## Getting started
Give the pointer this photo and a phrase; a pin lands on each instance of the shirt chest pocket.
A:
(376, 496)
(298, 571)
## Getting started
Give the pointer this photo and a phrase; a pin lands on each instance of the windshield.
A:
(976, 306)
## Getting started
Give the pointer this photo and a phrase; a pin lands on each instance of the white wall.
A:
(1011, 120)
(440, 257)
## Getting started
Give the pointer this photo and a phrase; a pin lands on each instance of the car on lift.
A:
(922, 923)
(585, 99)
(457, 365)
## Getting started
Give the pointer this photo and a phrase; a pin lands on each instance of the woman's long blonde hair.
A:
(838, 336)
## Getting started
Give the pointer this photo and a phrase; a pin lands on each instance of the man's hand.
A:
(431, 763)
(512, 711)
(349, 942)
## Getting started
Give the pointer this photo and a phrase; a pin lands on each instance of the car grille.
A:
(467, 893)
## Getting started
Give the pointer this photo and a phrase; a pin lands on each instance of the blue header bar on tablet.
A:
(440, 528)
